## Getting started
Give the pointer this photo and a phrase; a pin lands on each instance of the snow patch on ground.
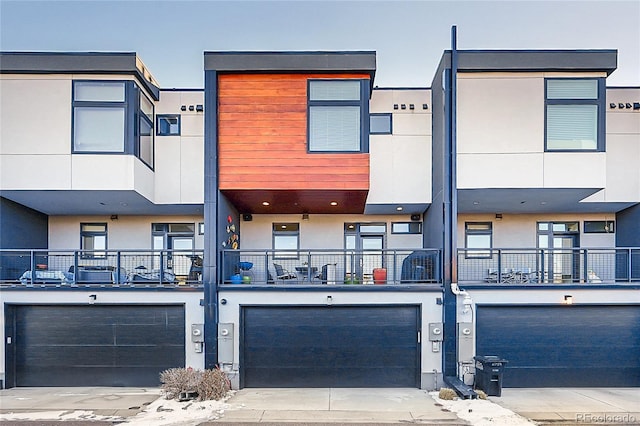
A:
(161, 412)
(167, 412)
(57, 415)
(482, 412)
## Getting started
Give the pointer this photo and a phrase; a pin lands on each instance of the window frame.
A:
(94, 234)
(478, 252)
(165, 116)
(599, 102)
(382, 114)
(113, 105)
(409, 231)
(362, 103)
(141, 116)
(608, 227)
(276, 231)
(133, 115)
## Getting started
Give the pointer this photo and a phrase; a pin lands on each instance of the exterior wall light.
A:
(568, 299)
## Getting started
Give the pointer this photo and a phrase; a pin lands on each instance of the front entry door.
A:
(365, 244)
(371, 257)
(561, 260)
(565, 265)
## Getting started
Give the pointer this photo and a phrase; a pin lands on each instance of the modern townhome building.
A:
(297, 226)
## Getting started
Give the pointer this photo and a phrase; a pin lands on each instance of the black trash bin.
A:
(489, 372)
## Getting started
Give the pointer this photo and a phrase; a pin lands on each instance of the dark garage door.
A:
(333, 346)
(94, 345)
(553, 346)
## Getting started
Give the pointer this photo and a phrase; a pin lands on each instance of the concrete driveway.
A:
(577, 405)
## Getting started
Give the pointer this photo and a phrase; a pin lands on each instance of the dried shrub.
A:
(481, 394)
(178, 380)
(213, 384)
(447, 394)
(207, 384)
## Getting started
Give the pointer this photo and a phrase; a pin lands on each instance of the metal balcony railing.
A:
(330, 267)
(549, 266)
(138, 268)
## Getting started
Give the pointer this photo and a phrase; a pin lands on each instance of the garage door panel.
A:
(47, 334)
(330, 346)
(154, 334)
(79, 376)
(57, 356)
(157, 356)
(97, 345)
(329, 356)
(548, 346)
(304, 378)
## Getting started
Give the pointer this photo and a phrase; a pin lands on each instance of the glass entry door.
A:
(371, 257)
(365, 245)
(560, 241)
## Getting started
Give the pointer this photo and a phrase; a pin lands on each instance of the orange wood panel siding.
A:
(262, 137)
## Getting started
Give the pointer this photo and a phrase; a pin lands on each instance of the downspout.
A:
(450, 218)
(210, 270)
(451, 290)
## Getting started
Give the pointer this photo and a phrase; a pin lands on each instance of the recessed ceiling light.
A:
(475, 203)
(334, 203)
(265, 203)
(543, 202)
(399, 208)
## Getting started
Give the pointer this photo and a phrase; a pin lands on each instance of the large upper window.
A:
(145, 138)
(99, 116)
(336, 109)
(575, 114)
(113, 117)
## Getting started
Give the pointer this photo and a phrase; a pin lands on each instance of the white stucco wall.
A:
(400, 163)
(38, 157)
(179, 161)
(520, 230)
(321, 231)
(500, 136)
(127, 232)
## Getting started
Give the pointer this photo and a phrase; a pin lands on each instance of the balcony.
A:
(84, 268)
(529, 266)
(330, 267)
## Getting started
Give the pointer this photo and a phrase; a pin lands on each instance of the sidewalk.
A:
(138, 406)
(574, 405)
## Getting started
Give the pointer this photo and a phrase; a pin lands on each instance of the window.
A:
(144, 149)
(478, 235)
(112, 117)
(286, 236)
(599, 226)
(93, 238)
(168, 125)
(406, 227)
(380, 124)
(574, 114)
(336, 108)
(99, 110)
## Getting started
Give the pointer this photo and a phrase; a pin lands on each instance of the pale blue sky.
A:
(409, 36)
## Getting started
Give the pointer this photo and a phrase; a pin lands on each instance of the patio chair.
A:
(283, 274)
